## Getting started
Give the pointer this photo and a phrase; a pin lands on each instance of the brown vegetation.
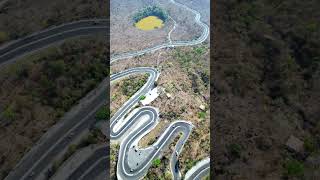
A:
(124, 89)
(19, 18)
(266, 85)
(125, 37)
(185, 76)
(38, 89)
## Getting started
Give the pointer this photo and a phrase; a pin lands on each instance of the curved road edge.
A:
(200, 170)
(123, 169)
(36, 41)
(204, 35)
(76, 167)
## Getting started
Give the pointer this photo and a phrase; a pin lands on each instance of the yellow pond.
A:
(149, 23)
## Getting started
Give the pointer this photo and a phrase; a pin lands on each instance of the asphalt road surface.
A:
(125, 169)
(58, 138)
(200, 170)
(42, 39)
(204, 35)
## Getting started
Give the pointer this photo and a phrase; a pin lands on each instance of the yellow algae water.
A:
(149, 23)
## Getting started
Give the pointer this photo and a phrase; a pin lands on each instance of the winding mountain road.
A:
(57, 139)
(88, 163)
(201, 169)
(204, 35)
(35, 163)
(134, 162)
(125, 171)
(55, 34)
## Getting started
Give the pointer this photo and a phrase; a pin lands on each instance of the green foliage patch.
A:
(156, 162)
(142, 97)
(129, 87)
(235, 150)
(103, 113)
(151, 11)
(294, 168)
(202, 115)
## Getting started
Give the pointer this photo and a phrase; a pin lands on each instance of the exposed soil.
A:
(182, 80)
(125, 37)
(184, 74)
(122, 90)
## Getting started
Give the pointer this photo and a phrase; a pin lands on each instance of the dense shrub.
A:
(294, 168)
(156, 162)
(234, 150)
(129, 88)
(150, 11)
(103, 113)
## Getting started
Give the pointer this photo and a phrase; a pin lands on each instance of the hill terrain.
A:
(266, 80)
(19, 18)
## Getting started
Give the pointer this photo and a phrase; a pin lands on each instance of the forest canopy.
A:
(150, 11)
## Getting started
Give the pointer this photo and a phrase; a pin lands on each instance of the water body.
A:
(149, 23)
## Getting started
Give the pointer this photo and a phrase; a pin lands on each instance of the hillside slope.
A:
(266, 88)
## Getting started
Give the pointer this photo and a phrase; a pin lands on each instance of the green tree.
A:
(294, 168)
(202, 115)
(142, 97)
(235, 150)
(102, 113)
(151, 11)
(156, 162)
